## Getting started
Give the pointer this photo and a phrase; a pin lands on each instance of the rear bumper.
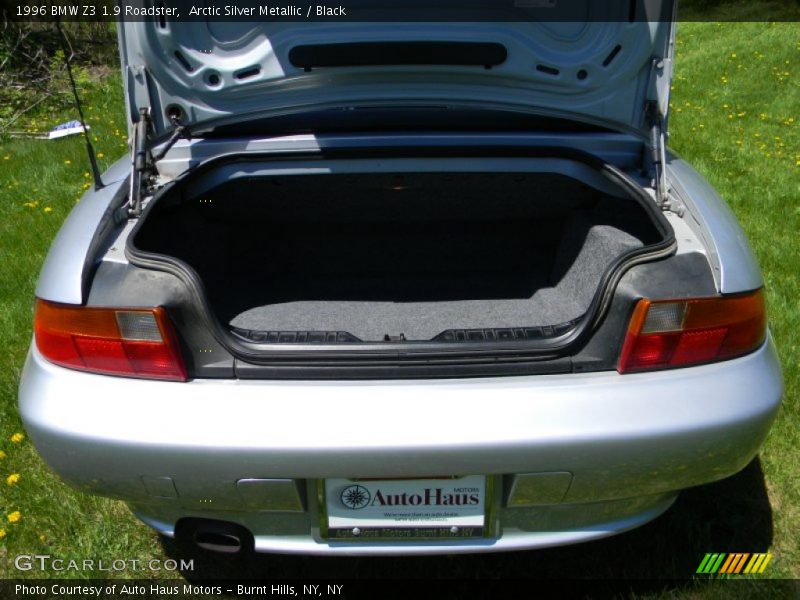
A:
(629, 442)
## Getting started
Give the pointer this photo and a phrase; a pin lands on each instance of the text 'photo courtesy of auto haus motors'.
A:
(432, 300)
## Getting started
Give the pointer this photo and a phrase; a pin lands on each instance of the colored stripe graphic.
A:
(726, 566)
(755, 562)
(764, 564)
(733, 563)
(704, 564)
(711, 563)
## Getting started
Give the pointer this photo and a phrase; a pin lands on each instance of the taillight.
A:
(135, 342)
(676, 333)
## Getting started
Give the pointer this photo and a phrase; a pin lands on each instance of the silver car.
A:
(398, 288)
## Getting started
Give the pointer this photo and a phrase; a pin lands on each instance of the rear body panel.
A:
(619, 446)
(620, 438)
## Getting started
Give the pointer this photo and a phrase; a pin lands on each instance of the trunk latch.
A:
(394, 338)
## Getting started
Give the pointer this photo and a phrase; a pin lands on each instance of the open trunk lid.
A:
(608, 64)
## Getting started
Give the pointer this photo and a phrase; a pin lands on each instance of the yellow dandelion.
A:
(2, 455)
(67, 162)
(17, 437)
(7, 157)
(100, 155)
(2, 533)
(86, 175)
(48, 210)
(12, 479)
(733, 54)
(14, 516)
(42, 538)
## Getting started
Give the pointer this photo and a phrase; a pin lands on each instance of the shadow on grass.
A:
(726, 516)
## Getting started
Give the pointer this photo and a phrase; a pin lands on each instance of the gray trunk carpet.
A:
(417, 254)
(584, 254)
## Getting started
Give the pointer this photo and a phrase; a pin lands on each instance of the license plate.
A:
(445, 508)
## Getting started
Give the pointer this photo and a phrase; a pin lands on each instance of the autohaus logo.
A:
(355, 496)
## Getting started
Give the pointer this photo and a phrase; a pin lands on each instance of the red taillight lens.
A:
(676, 333)
(134, 342)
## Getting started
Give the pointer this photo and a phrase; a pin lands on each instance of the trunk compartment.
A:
(433, 257)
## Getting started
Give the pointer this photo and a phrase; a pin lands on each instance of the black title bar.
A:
(397, 10)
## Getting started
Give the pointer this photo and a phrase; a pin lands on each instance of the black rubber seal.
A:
(356, 359)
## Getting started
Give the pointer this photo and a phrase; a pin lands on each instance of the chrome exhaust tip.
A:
(215, 535)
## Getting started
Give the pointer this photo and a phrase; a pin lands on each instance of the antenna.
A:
(68, 56)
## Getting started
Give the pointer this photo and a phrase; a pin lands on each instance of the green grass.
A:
(738, 92)
(735, 116)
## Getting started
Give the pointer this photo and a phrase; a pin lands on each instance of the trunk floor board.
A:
(589, 250)
(389, 253)
(370, 321)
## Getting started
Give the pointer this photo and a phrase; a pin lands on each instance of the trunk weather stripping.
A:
(355, 357)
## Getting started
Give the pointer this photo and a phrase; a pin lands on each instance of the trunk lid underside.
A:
(603, 63)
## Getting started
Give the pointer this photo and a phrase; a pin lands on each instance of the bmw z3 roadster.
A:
(397, 288)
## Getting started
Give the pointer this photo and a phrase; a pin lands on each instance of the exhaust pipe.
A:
(214, 535)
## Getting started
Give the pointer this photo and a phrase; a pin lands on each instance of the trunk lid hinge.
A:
(658, 158)
(141, 164)
(144, 171)
(656, 111)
